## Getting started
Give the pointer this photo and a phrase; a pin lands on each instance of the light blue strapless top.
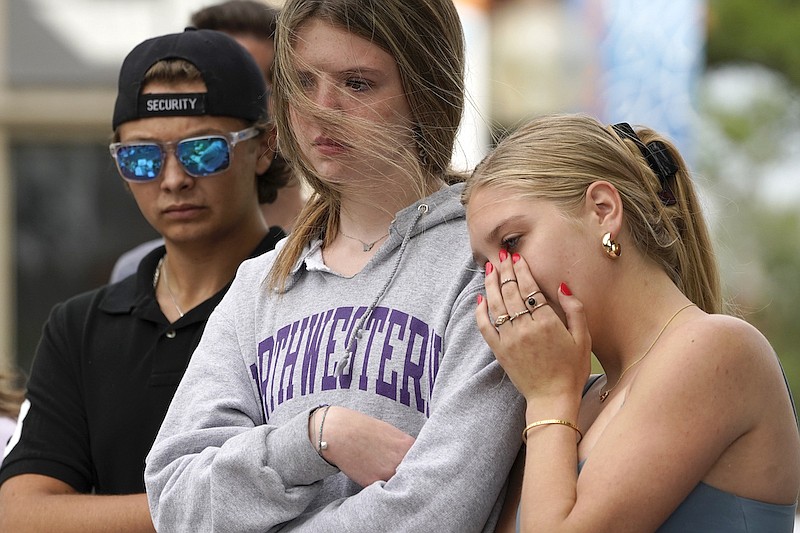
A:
(710, 510)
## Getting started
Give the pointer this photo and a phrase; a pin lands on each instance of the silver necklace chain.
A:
(160, 268)
(366, 246)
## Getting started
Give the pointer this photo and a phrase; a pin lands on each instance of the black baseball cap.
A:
(235, 85)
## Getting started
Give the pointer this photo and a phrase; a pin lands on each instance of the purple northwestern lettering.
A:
(375, 325)
(293, 348)
(265, 346)
(433, 367)
(311, 355)
(413, 371)
(397, 357)
(280, 342)
(334, 349)
(346, 378)
(397, 320)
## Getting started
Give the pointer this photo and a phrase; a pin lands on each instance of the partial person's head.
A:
(399, 120)
(572, 196)
(252, 24)
(191, 131)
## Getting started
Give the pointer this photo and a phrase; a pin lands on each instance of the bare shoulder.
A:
(720, 339)
(720, 357)
(728, 367)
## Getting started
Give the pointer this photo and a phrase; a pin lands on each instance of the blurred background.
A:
(719, 77)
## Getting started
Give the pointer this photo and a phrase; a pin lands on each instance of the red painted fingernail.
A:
(489, 267)
(565, 290)
(514, 258)
(480, 299)
(503, 255)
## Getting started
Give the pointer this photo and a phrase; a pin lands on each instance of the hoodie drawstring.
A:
(347, 358)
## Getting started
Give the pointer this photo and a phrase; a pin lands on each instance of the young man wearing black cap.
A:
(191, 135)
(252, 24)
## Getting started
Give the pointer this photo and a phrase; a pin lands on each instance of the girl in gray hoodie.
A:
(341, 385)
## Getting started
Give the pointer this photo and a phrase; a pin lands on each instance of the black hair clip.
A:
(658, 159)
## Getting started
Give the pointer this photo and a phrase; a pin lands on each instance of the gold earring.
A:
(611, 247)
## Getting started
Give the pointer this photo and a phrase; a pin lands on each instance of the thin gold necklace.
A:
(604, 394)
(367, 246)
(160, 268)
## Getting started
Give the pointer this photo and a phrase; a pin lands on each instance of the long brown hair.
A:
(557, 157)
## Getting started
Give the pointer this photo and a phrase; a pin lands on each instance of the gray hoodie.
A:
(233, 453)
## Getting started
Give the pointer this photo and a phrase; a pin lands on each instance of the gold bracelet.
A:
(546, 423)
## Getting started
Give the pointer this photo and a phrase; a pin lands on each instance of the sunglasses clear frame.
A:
(146, 169)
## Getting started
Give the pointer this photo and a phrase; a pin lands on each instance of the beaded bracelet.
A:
(548, 422)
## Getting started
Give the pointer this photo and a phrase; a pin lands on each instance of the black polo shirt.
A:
(105, 371)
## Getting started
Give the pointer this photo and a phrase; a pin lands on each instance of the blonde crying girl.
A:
(593, 241)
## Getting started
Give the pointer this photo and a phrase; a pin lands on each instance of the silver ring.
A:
(502, 319)
(531, 300)
(509, 280)
(519, 314)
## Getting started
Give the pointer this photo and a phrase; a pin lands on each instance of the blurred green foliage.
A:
(759, 240)
(765, 32)
(779, 234)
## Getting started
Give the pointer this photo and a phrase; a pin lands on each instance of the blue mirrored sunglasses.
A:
(199, 156)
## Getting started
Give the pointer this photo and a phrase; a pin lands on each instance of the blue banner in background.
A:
(649, 60)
